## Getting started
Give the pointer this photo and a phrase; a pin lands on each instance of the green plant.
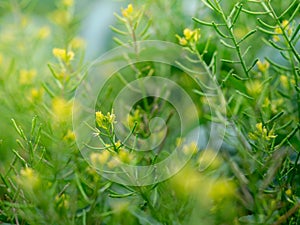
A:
(241, 74)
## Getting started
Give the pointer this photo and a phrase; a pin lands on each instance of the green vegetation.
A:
(249, 48)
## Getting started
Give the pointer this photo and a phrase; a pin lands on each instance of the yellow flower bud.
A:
(188, 33)
(284, 81)
(29, 179)
(61, 109)
(263, 66)
(128, 11)
(254, 88)
(70, 136)
(63, 55)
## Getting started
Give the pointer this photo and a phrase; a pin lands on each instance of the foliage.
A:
(250, 48)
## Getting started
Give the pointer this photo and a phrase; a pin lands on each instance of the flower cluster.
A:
(63, 54)
(280, 29)
(29, 179)
(105, 121)
(190, 37)
(261, 132)
(263, 66)
(128, 12)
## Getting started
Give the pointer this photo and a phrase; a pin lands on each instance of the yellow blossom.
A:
(276, 38)
(288, 192)
(266, 103)
(189, 36)
(125, 156)
(63, 55)
(262, 132)
(104, 121)
(285, 24)
(284, 81)
(99, 158)
(254, 88)
(27, 76)
(36, 95)
(221, 188)
(70, 136)
(62, 201)
(278, 30)
(188, 33)
(100, 120)
(62, 109)
(118, 144)
(262, 66)
(128, 11)
(29, 178)
(43, 32)
(183, 41)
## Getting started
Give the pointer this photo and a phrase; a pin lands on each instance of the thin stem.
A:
(232, 37)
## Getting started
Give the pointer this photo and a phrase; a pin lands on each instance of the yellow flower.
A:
(62, 201)
(43, 32)
(284, 81)
(63, 55)
(276, 38)
(27, 76)
(254, 88)
(221, 188)
(100, 120)
(262, 132)
(104, 121)
(278, 30)
(288, 192)
(36, 95)
(128, 11)
(183, 41)
(285, 24)
(70, 136)
(29, 178)
(99, 159)
(262, 66)
(259, 127)
(111, 117)
(266, 103)
(188, 33)
(190, 36)
(125, 156)
(118, 144)
(61, 109)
